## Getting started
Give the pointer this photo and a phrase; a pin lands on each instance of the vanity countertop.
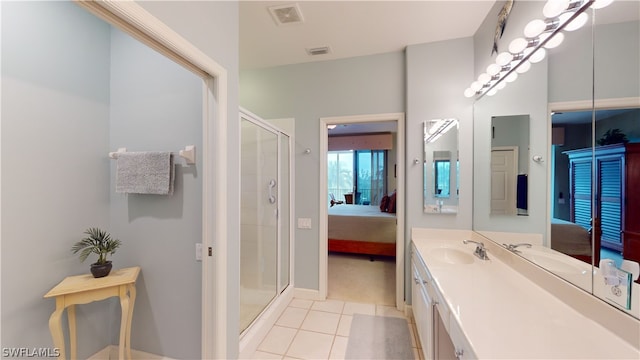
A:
(504, 315)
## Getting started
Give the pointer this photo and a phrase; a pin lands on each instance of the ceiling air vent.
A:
(286, 14)
(318, 50)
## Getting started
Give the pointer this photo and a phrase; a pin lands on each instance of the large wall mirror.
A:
(441, 166)
(583, 107)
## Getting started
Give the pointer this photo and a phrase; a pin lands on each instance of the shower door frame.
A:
(275, 306)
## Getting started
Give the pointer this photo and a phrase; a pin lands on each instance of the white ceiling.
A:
(366, 27)
(351, 28)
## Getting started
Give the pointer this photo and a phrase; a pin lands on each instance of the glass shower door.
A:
(259, 220)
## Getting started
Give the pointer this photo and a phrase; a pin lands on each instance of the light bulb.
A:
(494, 69)
(492, 92)
(554, 8)
(537, 56)
(577, 23)
(469, 92)
(476, 86)
(518, 45)
(554, 41)
(503, 58)
(501, 85)
(524, 67)
(599, 4)
(534, 28)
(511, 77)
(484, 78)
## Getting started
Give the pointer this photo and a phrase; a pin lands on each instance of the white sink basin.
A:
(552, 262)
(451, 255)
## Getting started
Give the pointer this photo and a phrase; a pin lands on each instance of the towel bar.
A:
(189, 154)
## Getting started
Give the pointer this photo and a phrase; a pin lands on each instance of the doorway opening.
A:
(393, 170)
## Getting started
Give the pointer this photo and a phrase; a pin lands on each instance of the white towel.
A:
(145, 173)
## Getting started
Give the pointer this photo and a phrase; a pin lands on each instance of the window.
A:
(361, 172)
(442, 171)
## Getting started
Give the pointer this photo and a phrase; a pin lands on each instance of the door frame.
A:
(134, 20)
(323, 256)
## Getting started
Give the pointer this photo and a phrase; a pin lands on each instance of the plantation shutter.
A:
(610, 199)
(581, 192)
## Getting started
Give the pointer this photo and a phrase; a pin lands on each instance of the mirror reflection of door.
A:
(509, 165)
(442, 173)
(504, 162)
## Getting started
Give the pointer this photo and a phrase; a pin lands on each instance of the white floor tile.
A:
(334, 306)
(301, 303)
(383, 310)
(310, 345)
(278, 340)
(344, 326)
(321, 321)
(265, 355)
(339, 348)
(292, 317)
(351, 308)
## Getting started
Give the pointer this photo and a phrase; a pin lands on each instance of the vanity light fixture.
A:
(560, 15)
(331, 127)
(438, 129)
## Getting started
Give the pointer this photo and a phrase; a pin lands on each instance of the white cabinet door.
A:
(461, 346)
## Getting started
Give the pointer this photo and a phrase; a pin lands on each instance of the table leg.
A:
(132, 301)
(73, 344)
(55, 327)
(124, 305)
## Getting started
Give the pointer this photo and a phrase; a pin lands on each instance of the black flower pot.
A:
(101, 270)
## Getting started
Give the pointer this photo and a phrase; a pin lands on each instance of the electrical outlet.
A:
(304, 223)
(198, 251)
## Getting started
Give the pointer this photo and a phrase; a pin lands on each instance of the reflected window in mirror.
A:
(441, 169)
(509, 165)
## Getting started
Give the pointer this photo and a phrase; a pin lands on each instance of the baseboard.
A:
(251, 338)
(307, 294)
(111, 352)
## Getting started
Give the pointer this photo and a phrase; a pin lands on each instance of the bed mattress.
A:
(361, 223)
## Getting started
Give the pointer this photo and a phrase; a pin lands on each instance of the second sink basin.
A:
(451, 255)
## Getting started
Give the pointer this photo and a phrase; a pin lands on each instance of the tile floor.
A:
(320, 329)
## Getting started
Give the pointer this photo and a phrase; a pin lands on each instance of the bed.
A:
(571, 239)
(361, 229)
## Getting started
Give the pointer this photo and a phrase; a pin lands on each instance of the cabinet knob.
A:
(416, 280)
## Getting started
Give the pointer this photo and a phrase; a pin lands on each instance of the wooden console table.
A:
(83, 289)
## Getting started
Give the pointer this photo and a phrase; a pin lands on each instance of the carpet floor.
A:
(354, 278)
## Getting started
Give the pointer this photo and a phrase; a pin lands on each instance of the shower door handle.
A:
(272, 185)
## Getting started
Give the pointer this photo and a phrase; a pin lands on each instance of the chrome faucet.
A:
(512, 247)
(480, 251)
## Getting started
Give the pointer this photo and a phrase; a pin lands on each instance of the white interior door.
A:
(504, 165)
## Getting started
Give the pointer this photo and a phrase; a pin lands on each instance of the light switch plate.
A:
(198, 251)
(304, 223)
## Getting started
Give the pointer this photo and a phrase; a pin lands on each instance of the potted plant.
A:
(613, 136)
(97, 242)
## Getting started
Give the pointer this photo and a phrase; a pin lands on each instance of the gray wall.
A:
(56, 122)
(55, 172)
(212, 26)
(526, 96)
(307, 92)
(616, 50)
(156, 105)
